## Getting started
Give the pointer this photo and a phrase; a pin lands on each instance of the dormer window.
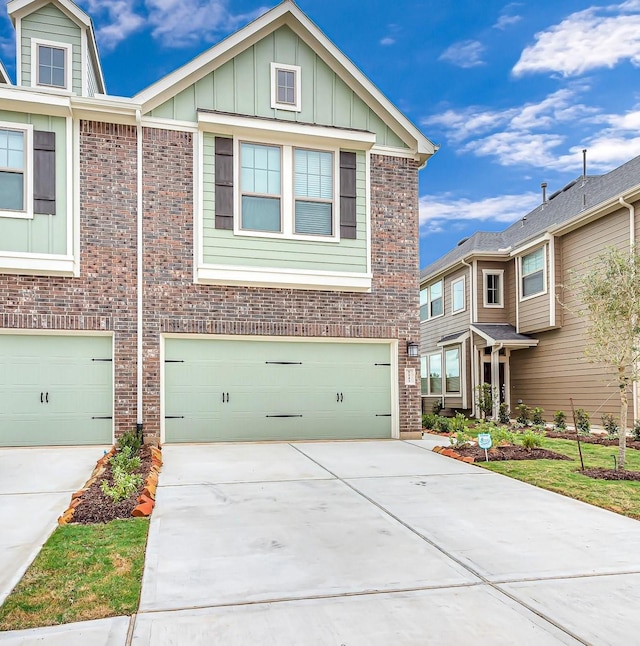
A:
(285, 87)
(51, 64)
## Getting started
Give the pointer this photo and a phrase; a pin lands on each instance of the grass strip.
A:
(620, 496)
(83, 572)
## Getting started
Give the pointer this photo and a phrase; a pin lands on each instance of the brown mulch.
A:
(611, 474)
(509, 453)
(593, 439)
(96, 507)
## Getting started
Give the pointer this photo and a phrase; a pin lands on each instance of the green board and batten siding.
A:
(246, 390)
(243, 86)
(44, 234)
(222, 247)
(49, 23)
(55, 390)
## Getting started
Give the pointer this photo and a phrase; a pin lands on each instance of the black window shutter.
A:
(44, 172)
(348, 223)
(224, 182)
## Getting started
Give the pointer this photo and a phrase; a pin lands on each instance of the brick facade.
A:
(104, 297)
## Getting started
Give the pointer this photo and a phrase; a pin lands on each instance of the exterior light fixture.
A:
(412, 349)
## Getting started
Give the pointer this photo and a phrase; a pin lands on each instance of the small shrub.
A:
(531, 441)
(124, 485)
(130, 439)
(523, 414)
(458, 424)
(504, 415)
(610, 425)
(443, 425)
(484, 399)
(437, 407)
(536, 416)
(636, 430)
(559, 421)
(125, 461)
(459, 440)
(502, 436)
(583, 425)
(430, 421)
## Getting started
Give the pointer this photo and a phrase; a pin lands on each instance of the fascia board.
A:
(106, 109)
(12, 98)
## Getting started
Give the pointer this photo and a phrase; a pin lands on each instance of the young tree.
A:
(610, 292)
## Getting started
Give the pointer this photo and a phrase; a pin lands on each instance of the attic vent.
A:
(462, 241)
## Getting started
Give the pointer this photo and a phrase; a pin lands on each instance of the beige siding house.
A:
(496, 310)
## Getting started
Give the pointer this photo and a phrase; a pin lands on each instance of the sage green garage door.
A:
(55, 390)
(217, 390)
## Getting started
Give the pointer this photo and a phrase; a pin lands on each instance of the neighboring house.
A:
(232, 254)
(496, 310)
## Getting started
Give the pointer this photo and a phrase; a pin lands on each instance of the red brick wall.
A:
(103, 297)
(174, 304)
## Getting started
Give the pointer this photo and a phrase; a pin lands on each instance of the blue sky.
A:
(511, 91)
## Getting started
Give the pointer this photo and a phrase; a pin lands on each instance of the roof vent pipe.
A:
(584, 165)
(543, 186)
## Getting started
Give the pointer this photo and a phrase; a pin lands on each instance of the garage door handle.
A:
(283, 415)
(339, 397)
(223, 397)
(42, 398)
(383, 414)
(46, 398)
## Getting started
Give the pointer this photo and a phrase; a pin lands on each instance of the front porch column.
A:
(495, 379)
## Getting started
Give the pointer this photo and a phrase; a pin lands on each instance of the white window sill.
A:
(283, 278)
(37, 264)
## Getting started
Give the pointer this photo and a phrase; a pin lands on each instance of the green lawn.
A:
(83, 572)
(564, 477)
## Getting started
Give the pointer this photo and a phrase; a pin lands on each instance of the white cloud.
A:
(444, 211)
(179, 23)
(586, 40)
(117, 19)
(387, 40)
(466, 53)
(508, 16)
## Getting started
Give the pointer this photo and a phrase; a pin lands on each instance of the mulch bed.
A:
(509, 453)
(593, 439)
(96, 507)
(601, 473)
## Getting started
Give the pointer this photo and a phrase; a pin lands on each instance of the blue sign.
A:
(484, 440)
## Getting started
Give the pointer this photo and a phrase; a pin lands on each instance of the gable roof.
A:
(581, 198)
(18, 9)
(288, 13)
(4, 77)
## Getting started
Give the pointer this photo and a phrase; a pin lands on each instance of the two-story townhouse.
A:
(231, 254)
(496, 310)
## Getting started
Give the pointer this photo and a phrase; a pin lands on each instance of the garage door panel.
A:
(228, 390)
(55, 390)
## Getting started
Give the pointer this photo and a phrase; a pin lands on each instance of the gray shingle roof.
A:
(502, 333)
(563, 206)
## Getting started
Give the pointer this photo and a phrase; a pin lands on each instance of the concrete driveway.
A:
(35, 488)
(369, 543)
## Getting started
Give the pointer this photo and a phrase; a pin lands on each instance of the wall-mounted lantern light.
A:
(413, 349)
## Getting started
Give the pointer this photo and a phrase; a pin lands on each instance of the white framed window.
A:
(286, 91)
(434, 386)
(493, 289)
(51, 64)
(16, 170)
(287, 191)
(458, 301)
(452, 371)
(431, 301)
(532, 274)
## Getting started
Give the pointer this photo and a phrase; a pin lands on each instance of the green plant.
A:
(443, 424)
(536, 416)
(610, 425)
(636, 430)
(459, 440)
(531, 441)
(130, 439)
(504, 415)
(583, 425)
(125, 461)
(523, 414)
(502, 436)
(436, 407)
(458, 423)
(484, 399)
(559, 421)
(125, 481)
(430, 421)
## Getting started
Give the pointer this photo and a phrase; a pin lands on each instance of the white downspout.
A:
(495, 377)
(632, 244)
(472, 298)
(140, 281)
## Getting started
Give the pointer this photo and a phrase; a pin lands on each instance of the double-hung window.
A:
(435, 374)
(457, 296)
(493, 288)
(313, 189)
(431, 301)
(452, 370)
(13, 167)
(532, 272)
(261, 187)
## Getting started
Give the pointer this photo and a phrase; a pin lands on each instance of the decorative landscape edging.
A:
(146, 500)
(451, 453)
